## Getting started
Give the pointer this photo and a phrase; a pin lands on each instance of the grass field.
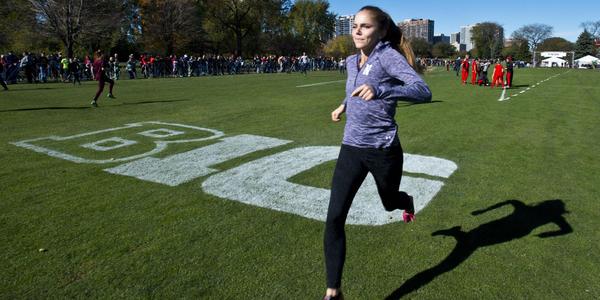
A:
(534, 156)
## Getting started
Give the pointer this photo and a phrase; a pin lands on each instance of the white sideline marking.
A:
(320, 83)
(529, 88)
(502, 96)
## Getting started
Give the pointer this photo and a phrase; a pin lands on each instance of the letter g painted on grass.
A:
(264, 182)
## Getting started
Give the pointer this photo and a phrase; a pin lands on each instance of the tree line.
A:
(240, 27)
(164, 27)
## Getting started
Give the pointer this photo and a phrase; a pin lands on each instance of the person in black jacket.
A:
(75, 70)
(1, 77)
(509, 72)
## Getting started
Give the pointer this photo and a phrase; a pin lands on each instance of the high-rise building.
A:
(459, 47)
(441, 39)
(455, 38)
(343, 25)
(465, 36)
(418, 28)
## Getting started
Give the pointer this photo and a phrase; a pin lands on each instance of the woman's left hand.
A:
(365, 92)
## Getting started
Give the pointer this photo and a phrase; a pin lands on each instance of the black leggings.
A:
(2, 82)
(352, 167)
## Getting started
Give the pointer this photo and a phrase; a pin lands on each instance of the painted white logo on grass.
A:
(262, 182)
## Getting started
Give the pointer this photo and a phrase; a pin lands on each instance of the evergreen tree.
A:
(584, 45)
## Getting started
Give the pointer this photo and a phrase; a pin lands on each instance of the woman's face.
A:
(365, 31)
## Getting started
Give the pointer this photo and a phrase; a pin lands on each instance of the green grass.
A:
(110, 236)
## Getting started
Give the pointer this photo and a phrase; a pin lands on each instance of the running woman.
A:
(100, 70)
(380, 75)
(498, 75)
(465, 69)
(509, 72)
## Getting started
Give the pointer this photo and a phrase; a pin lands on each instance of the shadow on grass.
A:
(155, 101)
(88, 107)
(520, 86)
(34, 88)
(44, 108)
(403, 103)
(524, 219)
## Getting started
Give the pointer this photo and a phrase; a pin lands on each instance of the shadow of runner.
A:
(520, 223)
(403, 103)
(155, 101)
(45, 108)
(88, 107)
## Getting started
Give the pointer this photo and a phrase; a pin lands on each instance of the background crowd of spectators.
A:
(41, 68)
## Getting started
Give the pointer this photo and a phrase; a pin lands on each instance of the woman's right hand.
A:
(335, 115)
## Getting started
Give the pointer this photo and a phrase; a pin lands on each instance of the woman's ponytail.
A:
(405, 49)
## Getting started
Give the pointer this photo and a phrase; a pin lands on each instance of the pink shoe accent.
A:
(408, 217)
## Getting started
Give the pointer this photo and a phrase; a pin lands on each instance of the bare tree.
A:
(592, 27)
(534, 34)
(241, 17)
(72, 21)
(244, 19)
(168, 26)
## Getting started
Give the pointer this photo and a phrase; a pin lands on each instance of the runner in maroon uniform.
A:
(100, 67)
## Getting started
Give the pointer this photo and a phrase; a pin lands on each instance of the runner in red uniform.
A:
(465, 69)
(474, 68)
(498, 75)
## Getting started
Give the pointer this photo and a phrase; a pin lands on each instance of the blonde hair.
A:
(393, 34)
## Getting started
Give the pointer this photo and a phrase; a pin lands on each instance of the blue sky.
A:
(564, 16)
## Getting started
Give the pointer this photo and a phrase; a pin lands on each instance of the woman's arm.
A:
(414, 87)
(337, 113)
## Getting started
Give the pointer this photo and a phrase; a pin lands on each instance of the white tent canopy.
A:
(587, 60)
(554, 62)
